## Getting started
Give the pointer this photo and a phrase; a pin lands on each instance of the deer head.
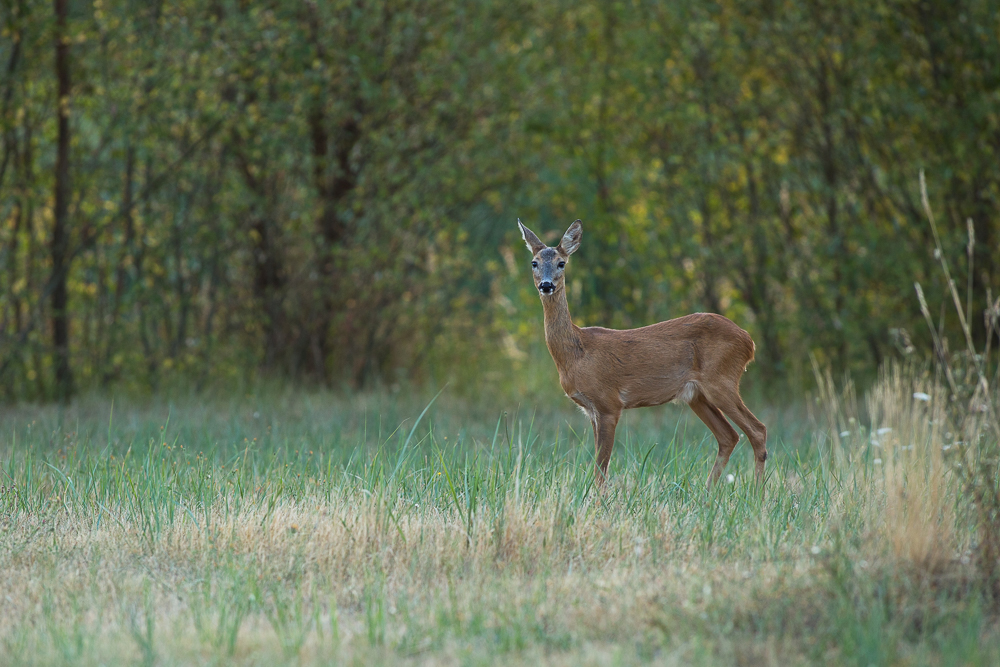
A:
(549, 264)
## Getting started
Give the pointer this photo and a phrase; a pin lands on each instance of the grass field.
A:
(291, 528)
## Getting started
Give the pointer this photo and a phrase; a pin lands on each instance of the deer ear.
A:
(571, 239)
(530, 240)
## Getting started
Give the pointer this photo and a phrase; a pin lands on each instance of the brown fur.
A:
(697, 358)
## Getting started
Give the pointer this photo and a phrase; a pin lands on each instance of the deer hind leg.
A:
(721, 429)
(604, 441)
(753, 427)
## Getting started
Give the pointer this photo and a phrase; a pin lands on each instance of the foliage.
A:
(327, 191)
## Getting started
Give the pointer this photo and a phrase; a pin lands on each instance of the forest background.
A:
(206, 194)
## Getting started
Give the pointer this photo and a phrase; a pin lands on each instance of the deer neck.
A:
(561, 336)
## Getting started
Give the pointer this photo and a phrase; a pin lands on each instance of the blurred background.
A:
(213, 194)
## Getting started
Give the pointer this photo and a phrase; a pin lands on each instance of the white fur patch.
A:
(689, 391)
(585, 405)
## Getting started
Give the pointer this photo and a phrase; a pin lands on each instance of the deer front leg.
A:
(605, 424)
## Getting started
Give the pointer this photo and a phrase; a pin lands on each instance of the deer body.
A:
(697, 359)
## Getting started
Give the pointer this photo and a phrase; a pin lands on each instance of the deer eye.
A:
(534, 265)
(562, 265)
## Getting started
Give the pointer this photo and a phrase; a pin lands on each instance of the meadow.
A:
(251, 199)
(286, 527)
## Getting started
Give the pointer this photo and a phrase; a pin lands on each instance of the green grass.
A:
(292, 528)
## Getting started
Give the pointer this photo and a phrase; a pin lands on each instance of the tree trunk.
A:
(109, 371)
(334, 189)
(60, 224)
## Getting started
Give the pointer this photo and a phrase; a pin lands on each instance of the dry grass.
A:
(913, 435)
(253, 540)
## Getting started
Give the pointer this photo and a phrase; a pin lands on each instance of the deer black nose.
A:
(546, 287)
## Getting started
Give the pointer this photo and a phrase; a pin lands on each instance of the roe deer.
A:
(697, 359)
